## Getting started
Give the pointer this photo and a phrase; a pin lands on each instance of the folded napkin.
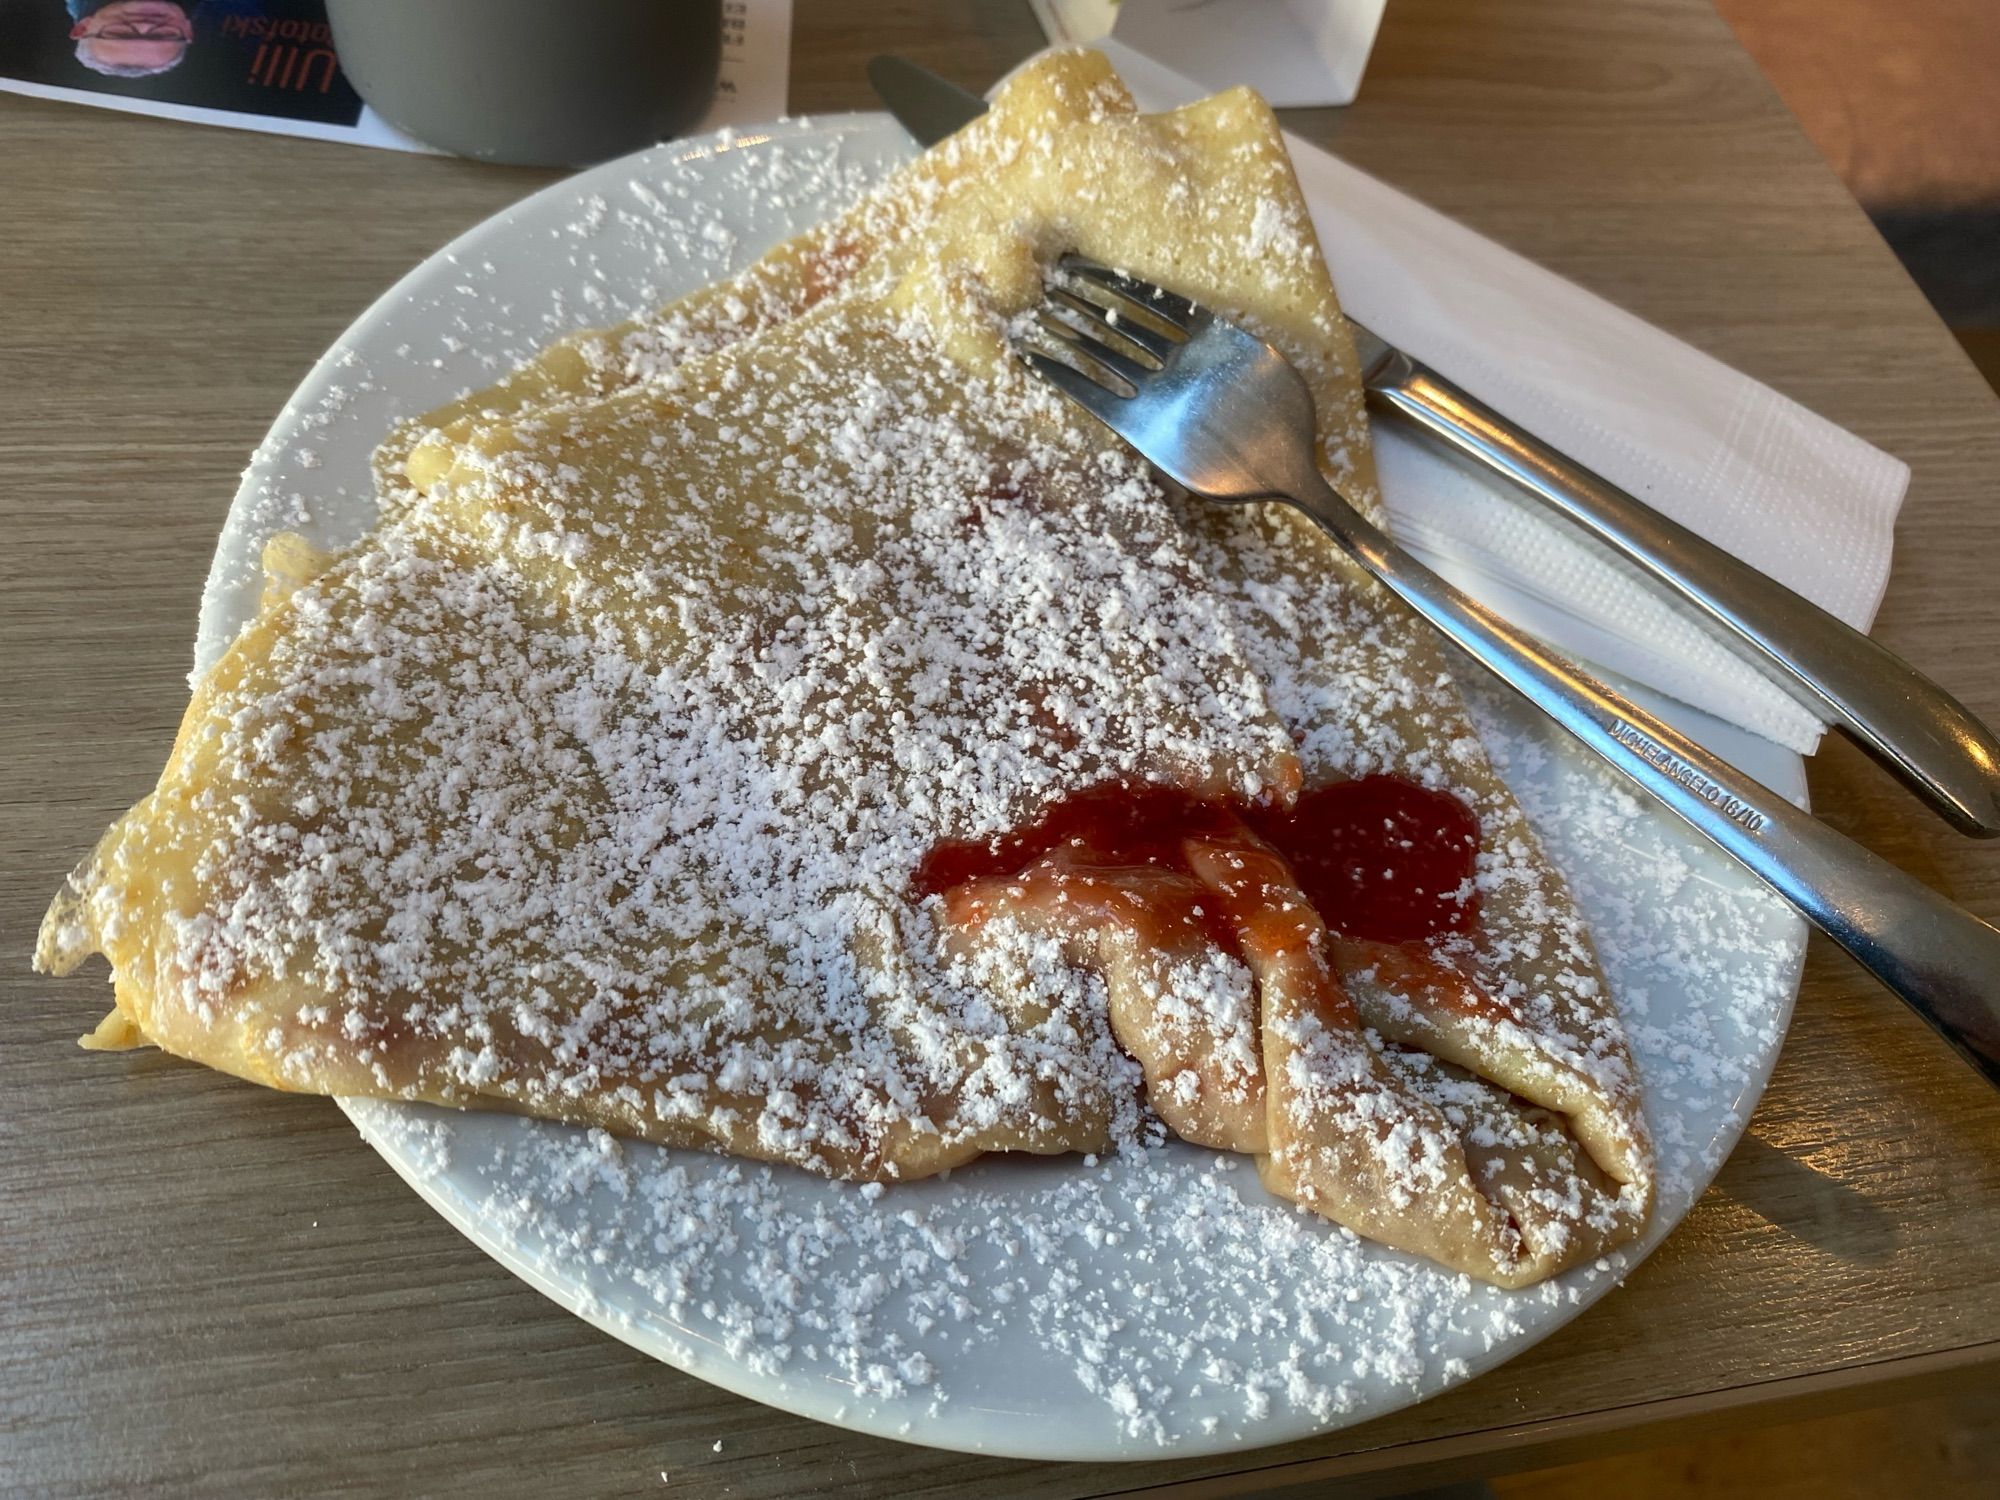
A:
(1797, 497)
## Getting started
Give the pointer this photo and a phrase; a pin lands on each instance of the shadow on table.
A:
(1810, 1206)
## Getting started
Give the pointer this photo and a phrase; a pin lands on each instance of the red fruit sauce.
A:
(1380, 858)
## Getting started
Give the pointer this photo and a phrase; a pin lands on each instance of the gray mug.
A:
(541, 83)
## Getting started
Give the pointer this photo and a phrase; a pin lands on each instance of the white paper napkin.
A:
(1803, 500)
(1293, 52)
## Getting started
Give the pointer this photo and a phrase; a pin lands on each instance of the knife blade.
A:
(1912, 727)
(927, 106)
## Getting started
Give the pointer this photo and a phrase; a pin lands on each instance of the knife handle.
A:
(1909, 724)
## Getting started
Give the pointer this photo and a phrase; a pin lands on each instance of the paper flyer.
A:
(270, 65)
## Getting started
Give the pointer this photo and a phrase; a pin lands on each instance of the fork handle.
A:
(1913, 727)
(1940, 960)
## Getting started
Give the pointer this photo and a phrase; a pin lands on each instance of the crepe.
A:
(600, 782)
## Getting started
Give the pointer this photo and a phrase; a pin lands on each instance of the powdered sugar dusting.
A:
(1163, 1284)
(589, 251)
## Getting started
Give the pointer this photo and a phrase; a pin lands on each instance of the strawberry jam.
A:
(1380, 858)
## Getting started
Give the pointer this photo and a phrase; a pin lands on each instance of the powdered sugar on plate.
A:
(1155, 1300)
(1190, 1308)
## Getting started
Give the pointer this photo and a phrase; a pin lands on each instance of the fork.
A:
(1225, 416)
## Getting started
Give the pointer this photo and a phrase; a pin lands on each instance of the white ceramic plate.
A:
(1048, 1309)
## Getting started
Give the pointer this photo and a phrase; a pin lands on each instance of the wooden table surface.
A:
(207, 1286)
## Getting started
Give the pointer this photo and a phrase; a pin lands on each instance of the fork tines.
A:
(1106, 326)
(1167, 313)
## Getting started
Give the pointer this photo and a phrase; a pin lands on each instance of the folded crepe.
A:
(602, 781)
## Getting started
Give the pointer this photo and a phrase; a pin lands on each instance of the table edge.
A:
(1546, 1443)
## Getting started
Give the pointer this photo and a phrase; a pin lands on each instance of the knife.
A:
(1906, 722)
